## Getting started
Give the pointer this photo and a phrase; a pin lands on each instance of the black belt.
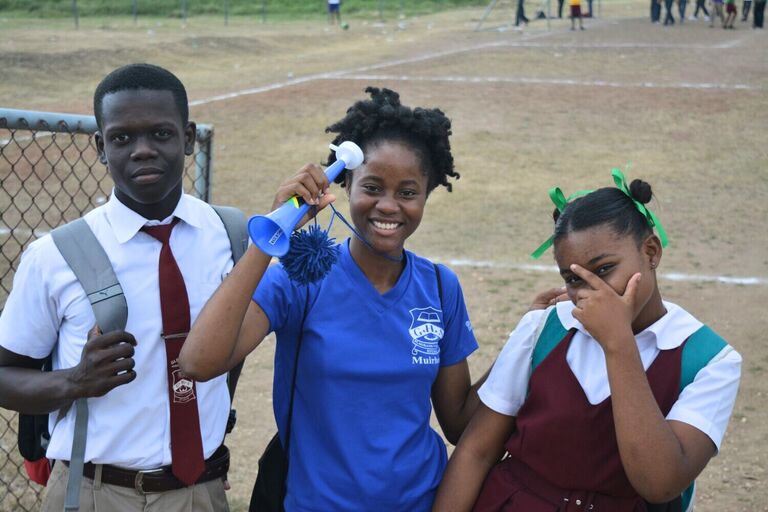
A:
(160, 479)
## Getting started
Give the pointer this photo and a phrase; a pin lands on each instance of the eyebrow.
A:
(598, 258)
(126, 126)
(412, 183)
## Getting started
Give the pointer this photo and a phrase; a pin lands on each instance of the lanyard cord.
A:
(359, 236)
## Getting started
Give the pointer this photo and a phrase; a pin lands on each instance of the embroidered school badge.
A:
(426, 331)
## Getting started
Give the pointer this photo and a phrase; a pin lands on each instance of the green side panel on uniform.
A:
(552, 334)
(687, 496)
(699, 350)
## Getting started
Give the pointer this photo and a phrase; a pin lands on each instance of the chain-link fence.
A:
(50, 174)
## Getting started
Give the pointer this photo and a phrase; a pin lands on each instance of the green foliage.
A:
(273, 8)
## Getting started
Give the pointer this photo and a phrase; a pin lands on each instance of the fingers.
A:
(548, 298)
(100, 341)
(325, 200)
(588, 277)
(630, 292)
(309, 184)
(109, 383)
(117, 363)
(95, 331)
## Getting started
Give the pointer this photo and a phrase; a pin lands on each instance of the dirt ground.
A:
(683, 107)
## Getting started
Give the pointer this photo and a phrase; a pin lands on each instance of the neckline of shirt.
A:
(126, 223)
(364, 287)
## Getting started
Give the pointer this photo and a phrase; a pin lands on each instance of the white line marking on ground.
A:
(342, 73)
(528, 267)
(339, 73)
(546, 81)
(669, 276)
(613, 46)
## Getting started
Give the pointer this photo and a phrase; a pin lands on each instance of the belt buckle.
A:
(138, 482)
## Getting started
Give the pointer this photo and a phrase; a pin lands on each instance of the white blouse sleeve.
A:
(507, 385)
(707, 402)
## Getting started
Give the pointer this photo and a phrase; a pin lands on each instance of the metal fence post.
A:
(75, 14)
(204, 162)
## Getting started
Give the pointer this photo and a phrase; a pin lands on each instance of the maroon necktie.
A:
(186, 444)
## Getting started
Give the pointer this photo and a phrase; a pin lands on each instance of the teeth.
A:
(385, 225)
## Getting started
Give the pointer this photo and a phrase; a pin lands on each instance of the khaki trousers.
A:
(98, 497)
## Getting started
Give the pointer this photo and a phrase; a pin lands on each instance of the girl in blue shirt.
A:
(380, 344)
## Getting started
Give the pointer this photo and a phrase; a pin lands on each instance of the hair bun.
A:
(641, 191)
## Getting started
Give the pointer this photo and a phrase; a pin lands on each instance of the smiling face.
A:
(143, 143)
(386, 197)
(614, 259)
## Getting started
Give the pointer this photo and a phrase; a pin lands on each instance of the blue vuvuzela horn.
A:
(272, 233)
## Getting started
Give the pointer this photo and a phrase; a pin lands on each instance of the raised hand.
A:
(106, 362)
(311, 184)
(605, 314)
(549, 298)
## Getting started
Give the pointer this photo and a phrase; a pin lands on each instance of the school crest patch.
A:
(183, 386)
(426, 331)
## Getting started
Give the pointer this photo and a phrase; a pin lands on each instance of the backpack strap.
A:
(92, 268)
(235, 223)
(237, 230)
(90, 264)
(549, 334)
(439, 286)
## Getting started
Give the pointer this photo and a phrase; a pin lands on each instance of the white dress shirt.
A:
(706, 403)
(130, 425)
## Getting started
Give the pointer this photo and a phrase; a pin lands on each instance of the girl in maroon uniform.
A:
(613, 401)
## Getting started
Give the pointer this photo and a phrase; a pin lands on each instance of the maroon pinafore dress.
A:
(563, 455)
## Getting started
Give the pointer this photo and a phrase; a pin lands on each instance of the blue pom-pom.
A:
(311, 255)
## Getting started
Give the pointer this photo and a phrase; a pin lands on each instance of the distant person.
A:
(746, 5)
(656, 11)
(682, 5)
(717, 12)
(701, 5)
(520, 16)
(576, 13)
(589, 9)
(560, 4)
(757, 15)
(668, 18)
(334, 12)
(730, 14)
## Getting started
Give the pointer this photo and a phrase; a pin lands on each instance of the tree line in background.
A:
(183, 8)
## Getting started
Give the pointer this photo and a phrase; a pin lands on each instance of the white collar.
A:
(668, 332)
(126, 223)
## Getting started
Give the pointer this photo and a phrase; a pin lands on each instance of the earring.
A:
(653, 265)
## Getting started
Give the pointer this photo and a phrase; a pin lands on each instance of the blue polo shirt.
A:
(361, 439)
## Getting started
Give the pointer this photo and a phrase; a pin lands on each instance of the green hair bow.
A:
(653, 221)
(560, 202)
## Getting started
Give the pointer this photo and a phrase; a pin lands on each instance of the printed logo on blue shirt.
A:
(426, 332)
